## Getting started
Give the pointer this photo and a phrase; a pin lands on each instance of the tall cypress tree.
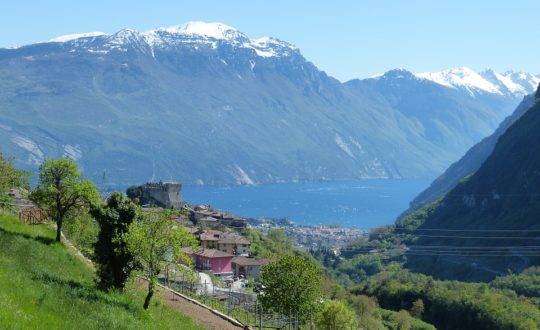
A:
(114, 261)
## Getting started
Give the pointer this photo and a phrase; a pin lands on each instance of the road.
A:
(206, 283)
(198, 314)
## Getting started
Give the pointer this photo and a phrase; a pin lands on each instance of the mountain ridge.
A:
(498, 202)
(469, 163)
(204, 110)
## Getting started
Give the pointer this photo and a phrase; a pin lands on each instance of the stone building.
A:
(231, 243)
(160, 194)
(248, 267)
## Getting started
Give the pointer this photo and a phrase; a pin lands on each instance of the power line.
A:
(471, 255)
(370, 248)
(449, 248)
(475, 247)
(494, 253)
(509, 251)
(471, 230)
(478, 237)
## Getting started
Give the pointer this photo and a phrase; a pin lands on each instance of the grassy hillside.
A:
(43, 285)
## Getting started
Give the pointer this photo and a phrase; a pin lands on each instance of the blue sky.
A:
(347, 39)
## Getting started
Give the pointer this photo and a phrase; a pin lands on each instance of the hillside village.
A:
(223, 251)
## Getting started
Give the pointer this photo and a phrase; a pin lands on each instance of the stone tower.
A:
(162, 194)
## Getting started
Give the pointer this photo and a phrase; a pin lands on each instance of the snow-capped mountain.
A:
(76, 36)
(194, 34)
(205, 103)
(516, 84)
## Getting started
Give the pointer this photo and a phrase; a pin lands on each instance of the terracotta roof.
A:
(223, 238)
(244, 261)
(212, 253)
(211, 235)
(234, 239)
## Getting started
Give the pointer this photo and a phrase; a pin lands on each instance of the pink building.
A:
(215, 261)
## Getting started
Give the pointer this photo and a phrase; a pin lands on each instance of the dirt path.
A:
(198, 314)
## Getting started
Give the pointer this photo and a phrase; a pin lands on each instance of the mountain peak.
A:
(399, 71)
(213, 30)
(70, 37)
(463, 78)
(191, 34)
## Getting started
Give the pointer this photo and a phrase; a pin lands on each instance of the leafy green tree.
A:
(63, 191)
(155, 240)
(335, 315)
(134, 193)
(417, 308)
(402, 320)
(291, 284)
(83, 232)
(114, 260)
(367, 310)
(10, 177)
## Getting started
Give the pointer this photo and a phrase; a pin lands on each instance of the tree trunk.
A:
(149, 295)
(58, 229)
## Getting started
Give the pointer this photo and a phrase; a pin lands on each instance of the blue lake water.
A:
(362, 203)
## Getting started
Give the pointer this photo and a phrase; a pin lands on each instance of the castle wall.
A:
(166, 194)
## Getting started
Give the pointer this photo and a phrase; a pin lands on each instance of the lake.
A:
(361, 203)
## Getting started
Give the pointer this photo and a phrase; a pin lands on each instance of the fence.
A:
(242, 306)
(32, 216)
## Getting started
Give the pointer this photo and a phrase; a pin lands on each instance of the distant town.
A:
(330, 237)
(168, 195)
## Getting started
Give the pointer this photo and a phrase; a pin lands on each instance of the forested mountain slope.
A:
(491, 216)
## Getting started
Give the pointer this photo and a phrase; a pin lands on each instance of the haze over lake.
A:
(360, 203)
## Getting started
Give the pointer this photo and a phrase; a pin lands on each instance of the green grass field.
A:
(43, 285)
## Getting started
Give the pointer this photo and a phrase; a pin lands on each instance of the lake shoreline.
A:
(362, 204)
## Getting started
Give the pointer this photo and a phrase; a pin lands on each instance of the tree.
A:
(114, 260)
(62, 190)
(155, 240)
(290, 284)
(402, 320)
(335, 315)
(134, 193)
(417, 308)
(10, 177)
(365, 306)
